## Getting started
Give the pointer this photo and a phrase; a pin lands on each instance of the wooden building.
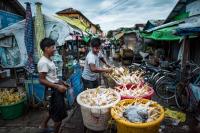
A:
(73, 13)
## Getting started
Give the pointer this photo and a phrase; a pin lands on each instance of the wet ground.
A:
(191, 125)
(29, 122)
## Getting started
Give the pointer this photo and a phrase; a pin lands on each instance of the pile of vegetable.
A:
(99, 97)
(135, 90)
(10, 96)
(139, 112)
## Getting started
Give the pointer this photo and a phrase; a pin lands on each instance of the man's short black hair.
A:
(46, 42)
(95, 42)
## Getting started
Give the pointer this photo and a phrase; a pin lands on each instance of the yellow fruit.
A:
(9, 97)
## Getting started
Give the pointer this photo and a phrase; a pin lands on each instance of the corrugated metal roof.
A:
(165, 25)
(180, 5)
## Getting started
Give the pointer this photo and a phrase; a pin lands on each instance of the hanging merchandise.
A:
(28, 39)
(57, 29)
(39, 28)
(10, 56)
(74, 22)
(14, 54)
(164, 34)
(12, 42)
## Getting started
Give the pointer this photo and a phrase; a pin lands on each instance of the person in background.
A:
(92, 65)
(163, 63)
(108, 50)
(48, 77)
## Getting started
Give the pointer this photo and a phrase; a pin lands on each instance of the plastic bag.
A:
(175, 115)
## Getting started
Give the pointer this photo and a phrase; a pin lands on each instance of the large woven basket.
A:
(109, 82)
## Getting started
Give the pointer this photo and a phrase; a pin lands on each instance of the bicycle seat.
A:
(153, 69)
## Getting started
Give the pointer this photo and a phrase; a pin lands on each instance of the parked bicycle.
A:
(166, 85)
(184, 93)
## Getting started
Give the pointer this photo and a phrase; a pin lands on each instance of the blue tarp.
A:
(195, 91)
(187, 31)
(76, 85)
(8, 19)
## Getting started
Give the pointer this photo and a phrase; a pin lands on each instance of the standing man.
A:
(48, 77)
(92, 66)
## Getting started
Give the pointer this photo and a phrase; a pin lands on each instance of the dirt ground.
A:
(29, 122)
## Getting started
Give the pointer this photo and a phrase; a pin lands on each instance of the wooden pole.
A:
(77, 43)
(185, 56)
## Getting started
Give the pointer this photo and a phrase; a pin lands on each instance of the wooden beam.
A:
(185, 56)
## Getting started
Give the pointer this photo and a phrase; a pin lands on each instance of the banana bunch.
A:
(8, 97)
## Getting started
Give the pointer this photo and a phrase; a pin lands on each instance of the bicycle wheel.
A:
(165, 89)
(195, 79)
(182, 97)
(147, 77)
(155, 78)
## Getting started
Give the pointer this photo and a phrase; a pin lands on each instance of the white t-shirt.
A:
(91, 58)
(48, 66)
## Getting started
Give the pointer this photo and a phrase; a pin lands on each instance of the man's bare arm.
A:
(45, 82)
(95, 69)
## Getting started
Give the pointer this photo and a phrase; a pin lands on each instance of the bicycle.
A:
(183, 92)
(163, 81)
(149, 70)
(165, 71)
(166, 85)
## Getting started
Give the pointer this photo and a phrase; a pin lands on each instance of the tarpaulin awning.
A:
(15, 54)
(86, 38)
(119, 35)
(190, 27)
(74, 22)
(187, 31)
(170, 24)
(181, 16)
(165, 34)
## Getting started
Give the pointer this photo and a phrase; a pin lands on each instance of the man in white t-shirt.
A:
(48, 77)
(92, 65)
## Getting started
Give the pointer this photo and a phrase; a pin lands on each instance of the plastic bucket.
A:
(124, 126)
(96, 117)
(147, 96)
(12, 111)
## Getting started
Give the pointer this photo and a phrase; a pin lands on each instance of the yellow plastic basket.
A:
(124, 126)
